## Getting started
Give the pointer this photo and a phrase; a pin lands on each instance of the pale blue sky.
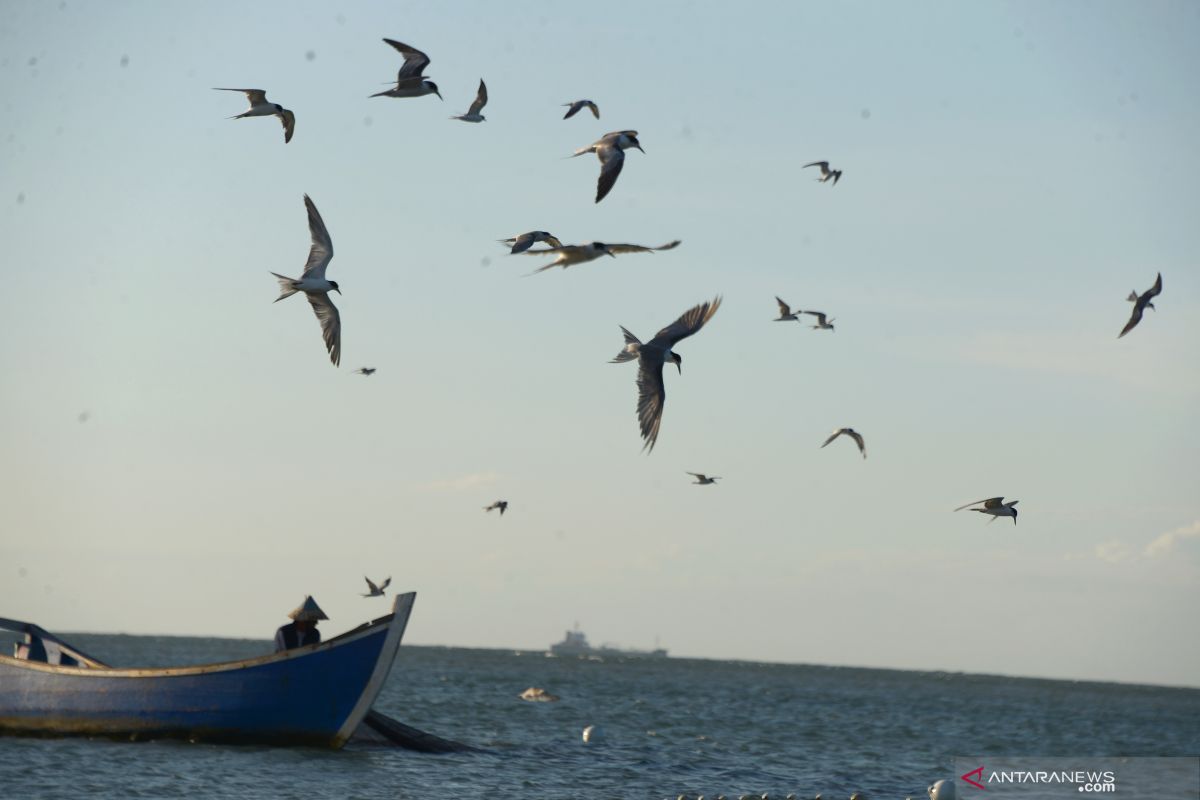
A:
(1012, 171)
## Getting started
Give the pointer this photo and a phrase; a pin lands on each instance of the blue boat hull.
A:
(314, 695)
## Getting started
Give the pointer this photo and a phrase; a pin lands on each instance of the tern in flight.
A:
(314, 285)
(569, 254)
(853, 434)
(610, 149)
(373, 590)
(473, 114)
(826, 172)
(523, 241)
(822, 322)
(260, 106)
(409, 80)
(365, 371)
(785, 312)
(580, 104)
(702, 479)
(994, 506)
(500, 504)
(1140, 304)
(652, 356)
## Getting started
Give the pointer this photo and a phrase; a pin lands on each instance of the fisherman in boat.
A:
(303, 629)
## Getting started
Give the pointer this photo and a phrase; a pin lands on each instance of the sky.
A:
(178, 455)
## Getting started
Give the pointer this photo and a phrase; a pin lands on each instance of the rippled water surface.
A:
(670, 727)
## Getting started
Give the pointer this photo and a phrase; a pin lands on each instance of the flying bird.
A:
(610, 149)
(826, 172)
(365, 371)
(822, 323)
(260, 106)
(652, 356)
(373, 590)
(853, 434)
(702, 479)
(1140, 304)
(995, 506)
(473, 114)
(500, 504)
(568, 254)
(523, 241)
(785, 312)
(314, 285)
(409, 80)
(580, 104)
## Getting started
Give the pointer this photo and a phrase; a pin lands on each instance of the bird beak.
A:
(639, 147)
(339, 291)
(439, 94)
(610, 253)
(679, 367)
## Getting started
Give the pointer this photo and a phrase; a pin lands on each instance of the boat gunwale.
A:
(375, 627)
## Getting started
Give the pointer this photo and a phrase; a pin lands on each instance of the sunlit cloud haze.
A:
(177, 454)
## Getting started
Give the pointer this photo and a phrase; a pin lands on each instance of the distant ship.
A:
(576, 644)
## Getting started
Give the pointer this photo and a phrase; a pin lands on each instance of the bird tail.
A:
(287, 286)
(627, 354)
(1132, 297)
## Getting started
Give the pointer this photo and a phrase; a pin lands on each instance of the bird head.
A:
(433, 86)
(278, 108)
(603, 248)
(1014, 515)
(633, 142)
(678, 359)
(335, 287)
(1151, 305)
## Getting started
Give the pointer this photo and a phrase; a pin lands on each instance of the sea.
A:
(664, 728)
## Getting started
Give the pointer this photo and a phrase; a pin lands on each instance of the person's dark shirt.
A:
(289, 637)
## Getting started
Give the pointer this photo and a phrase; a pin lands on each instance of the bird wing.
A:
(820, 315)
(480, 99)
(566, 248)
(1154, 290)
(991, 502)
(824, 165)
(857, 437)
(553, 241)
(521, 243)
(699, 475)
(595, 109)
(833, 436)
(652, 394)
(612, 136)
(255, 96)
(414, 61)
(688, 323)
(371, 587)
(837, 176)
(612, 158)
(321, 252)
(288, 119)
(574, 108)
(386, 583)
(638, 248)
(784, 309)
(1134, 319)
(331, 323)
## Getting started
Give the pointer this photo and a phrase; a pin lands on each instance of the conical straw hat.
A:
(308, 610)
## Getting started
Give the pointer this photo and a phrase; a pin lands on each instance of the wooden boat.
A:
(312, 695)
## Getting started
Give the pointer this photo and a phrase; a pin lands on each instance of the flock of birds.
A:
(652, 356)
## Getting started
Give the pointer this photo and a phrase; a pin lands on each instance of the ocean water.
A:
(670, 727)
